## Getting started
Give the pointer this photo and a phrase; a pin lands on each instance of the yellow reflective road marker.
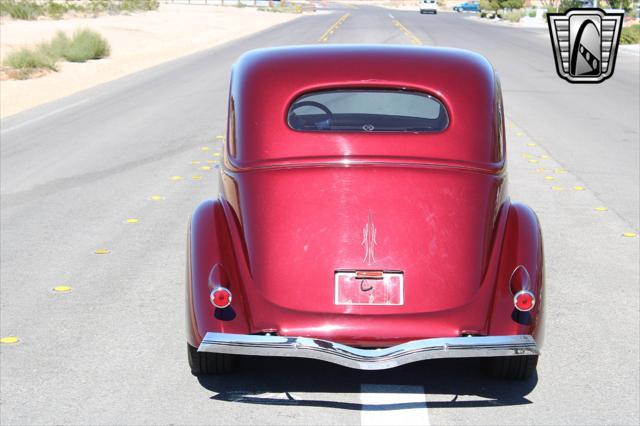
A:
(102, 251)
(561, 171)
(205, 168)
(194, 162)
(221, 137)
(532, 144)
(519, 133)
(541, 169)
(205, 148)
(527, 155)
(601, 209)
(550, 178)
(533, 160)
(9, 340)
(216, 154)
(579, 188)
(556, 188)
(176, 177)
(629, 234)
(62, 289)
(132, 220)
(211, 161)
(156, 198)
(196, 177)
(544, 157)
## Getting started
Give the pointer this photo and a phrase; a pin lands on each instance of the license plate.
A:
(369, 288)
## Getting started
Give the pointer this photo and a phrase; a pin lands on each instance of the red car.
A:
(364, 218)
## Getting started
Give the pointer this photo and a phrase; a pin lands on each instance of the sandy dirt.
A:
(138, 41)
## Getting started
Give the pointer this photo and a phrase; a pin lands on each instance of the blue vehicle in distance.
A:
(472, 6)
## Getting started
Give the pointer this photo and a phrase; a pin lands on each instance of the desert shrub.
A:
(630, 35)
(513, 16)
(133, 5)
(57, 46)
(27, 61)
(532, 13)
(151, 4)
(26, 10)
(85, 44)
(55, 10)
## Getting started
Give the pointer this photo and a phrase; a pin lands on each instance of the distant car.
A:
(363, 217)
(467, 7)
(428, 6)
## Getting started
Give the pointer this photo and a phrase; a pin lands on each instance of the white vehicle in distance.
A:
(428, 6)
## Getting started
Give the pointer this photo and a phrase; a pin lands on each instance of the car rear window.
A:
(367, 110)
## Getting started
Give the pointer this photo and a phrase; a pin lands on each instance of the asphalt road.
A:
(112, 350)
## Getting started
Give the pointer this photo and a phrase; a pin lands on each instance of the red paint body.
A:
(293, 206)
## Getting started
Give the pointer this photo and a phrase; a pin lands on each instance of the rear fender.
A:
(522, 247)
(208, 245)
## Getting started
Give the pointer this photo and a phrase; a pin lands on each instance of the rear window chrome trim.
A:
(411, 91)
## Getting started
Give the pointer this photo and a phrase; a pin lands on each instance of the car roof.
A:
(266, 81)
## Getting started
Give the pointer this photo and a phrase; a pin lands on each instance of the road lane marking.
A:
(176, 177)
(9, 340)
(629, 234)
(601, 209)
(411, 36)
(156, 198)
(102, 251)
(393, 405)
(132, 220)
(62, 289)
(332, 29)
(391, 16)
(49, 114)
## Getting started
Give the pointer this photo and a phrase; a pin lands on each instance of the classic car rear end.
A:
(363, 205)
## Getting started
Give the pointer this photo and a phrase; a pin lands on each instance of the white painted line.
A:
(391, 16)
(393, 405)
(24, 123)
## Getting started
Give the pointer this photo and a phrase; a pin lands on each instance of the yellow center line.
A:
(411, 36)
(333, 28)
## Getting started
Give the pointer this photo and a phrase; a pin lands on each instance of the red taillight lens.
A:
(220, 297)
(524, 301)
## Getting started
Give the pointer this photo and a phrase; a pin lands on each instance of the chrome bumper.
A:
(369, 359)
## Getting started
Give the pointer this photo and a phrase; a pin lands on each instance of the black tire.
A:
(513, 367)
(203, 363)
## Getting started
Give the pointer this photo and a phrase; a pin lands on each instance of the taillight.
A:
(524, 300)
(520, 285)
(220, 297)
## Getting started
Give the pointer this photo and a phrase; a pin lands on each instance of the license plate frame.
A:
(349, 290)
